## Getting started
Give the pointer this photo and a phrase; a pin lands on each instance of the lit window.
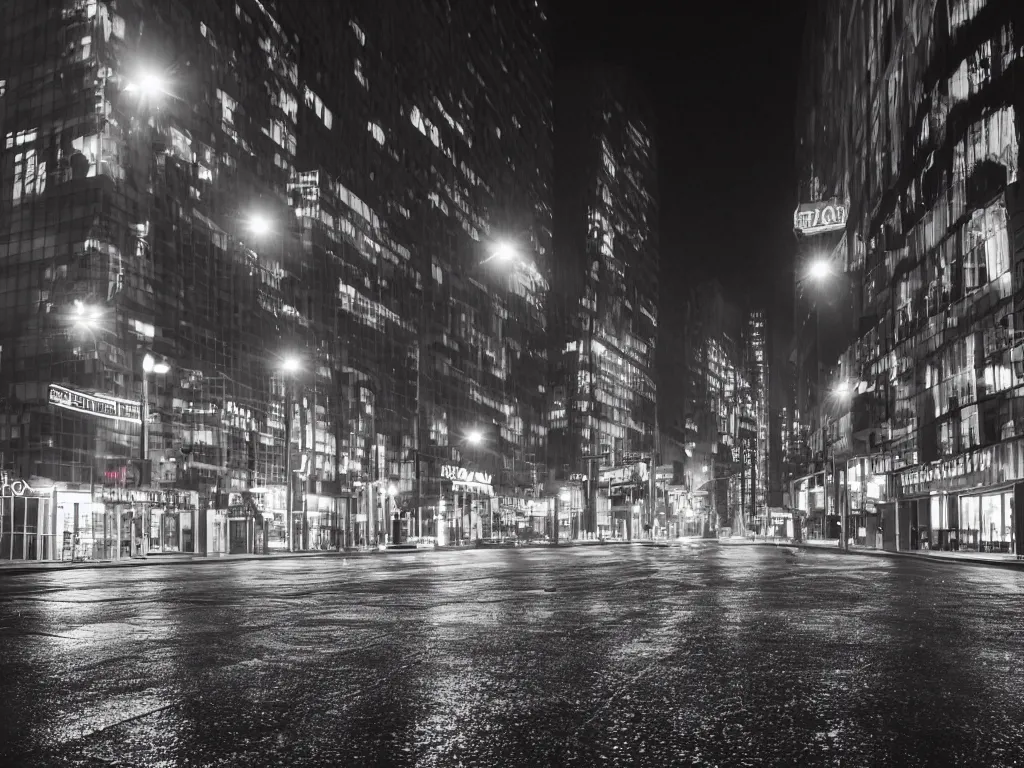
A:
(377, 132)
(29, 176)
(359, 74)
(227, 105)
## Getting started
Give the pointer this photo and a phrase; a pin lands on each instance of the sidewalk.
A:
(832, 546)
(13, 568)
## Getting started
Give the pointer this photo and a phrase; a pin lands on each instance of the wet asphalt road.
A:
(640, 656)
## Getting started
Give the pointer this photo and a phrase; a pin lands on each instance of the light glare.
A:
(259, 225)
(820, 270)
(504, 252)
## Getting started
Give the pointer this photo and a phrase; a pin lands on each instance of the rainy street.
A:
(618, 655)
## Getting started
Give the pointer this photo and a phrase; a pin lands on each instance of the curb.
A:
(142, 563)
(974, 561)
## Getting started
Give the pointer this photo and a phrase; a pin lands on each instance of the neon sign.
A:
(103, 406)
(10, 488)
(463, 475)
(817, 218)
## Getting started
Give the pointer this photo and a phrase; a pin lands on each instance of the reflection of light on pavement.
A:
(81, 722)
(93, 624)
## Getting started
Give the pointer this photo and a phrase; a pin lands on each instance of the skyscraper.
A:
(604, 304)
(908, 128)
(267, 233)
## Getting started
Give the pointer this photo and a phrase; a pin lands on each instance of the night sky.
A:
(722, 77)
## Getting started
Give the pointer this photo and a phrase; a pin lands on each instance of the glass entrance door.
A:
(27, 528)
(169, 532)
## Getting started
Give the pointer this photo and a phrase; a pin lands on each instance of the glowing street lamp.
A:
(504, 252)
(843, 390)
(147, 83)
(150, 365)
(290, 364)
(392, 490)
(259, 224)
(475, 437)
(86, 316)
(820, 270)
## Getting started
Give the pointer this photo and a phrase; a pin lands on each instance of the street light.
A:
(160, 367)
(843, 390)
(149, 365)
(503, 251)
(475, 437)
(147, 82)
(86, 316)
(290, 365)
(259, 224)
(820, 270)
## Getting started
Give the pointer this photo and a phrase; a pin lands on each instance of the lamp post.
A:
(392, 515)
(819, 272)
(290, 366)
(149, 365)
(843, 392)
(86, 319)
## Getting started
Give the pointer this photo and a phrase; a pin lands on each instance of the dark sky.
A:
(722, 76)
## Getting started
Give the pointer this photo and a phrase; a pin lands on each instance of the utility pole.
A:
(288, 463)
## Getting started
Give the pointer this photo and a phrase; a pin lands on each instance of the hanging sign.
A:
(817, 218)
(103, 406)
(463, 475)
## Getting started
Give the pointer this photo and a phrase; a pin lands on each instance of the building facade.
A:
(248, 299)
(908, 130)
(604, 303)
(714, 424)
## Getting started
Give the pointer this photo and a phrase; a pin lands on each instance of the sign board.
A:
(624, 475)
(633, 457)
(463, 475)
(181, 499)
(104, 406)
(818, 218)
(10, 488)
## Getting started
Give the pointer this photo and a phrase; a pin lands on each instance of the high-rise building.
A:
(756, 361)
(716, 411)
(908, 131)
(604, 302)
(306, 246)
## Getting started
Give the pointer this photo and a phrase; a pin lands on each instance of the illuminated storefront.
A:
(148, 521)
(967, 502)
(467, 498)
(28, 521)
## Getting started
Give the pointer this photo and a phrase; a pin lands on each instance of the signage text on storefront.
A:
(463, 475)
(9, 487)
(953, 471)
(817, 218)
(103, 406)
(181, 499)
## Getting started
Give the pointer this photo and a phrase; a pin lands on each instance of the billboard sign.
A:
(104, 406)
(818, 218)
